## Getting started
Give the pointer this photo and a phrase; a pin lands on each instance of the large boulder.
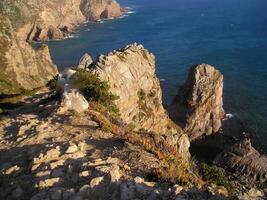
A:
(245, 161)
(198, 107)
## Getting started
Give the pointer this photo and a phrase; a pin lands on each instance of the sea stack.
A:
(198, 107)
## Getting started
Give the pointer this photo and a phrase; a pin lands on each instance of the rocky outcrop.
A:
(21, 67)
(131, 75)
(198, 107)
(96, 10)
(245, 161)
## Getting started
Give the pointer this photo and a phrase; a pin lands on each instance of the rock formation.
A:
(21, 67)
(245, 161)
(131, 75)
(198, 107)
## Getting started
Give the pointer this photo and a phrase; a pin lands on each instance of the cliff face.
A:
(198, 107)
(131, 74)
(55, 19)
(23, 21)
(21, 66)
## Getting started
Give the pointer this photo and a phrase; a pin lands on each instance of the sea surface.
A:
(228, 34)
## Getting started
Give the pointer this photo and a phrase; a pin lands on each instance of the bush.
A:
(95, 90)
(215, 175)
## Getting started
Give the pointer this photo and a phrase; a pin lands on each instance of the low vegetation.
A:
(174, 168)
(215, 175)
(95, 90)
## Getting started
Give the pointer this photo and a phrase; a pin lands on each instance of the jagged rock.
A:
(198, 107)
(245, 161)
(85, 61)
(130, 72)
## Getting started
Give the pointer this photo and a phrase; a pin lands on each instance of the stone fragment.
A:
(12, 170)
(96, 181)
(72, 148)
(115, 173)
(48, 183)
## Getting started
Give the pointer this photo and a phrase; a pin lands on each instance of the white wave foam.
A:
(229, 116)
(162, 79)
(131, 12)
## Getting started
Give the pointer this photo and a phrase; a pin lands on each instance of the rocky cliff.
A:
(55, 19)
(130, 72)
(21, 67)
(22, 21)
(198, 107)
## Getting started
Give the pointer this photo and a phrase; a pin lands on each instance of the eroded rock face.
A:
(245, 161)
(21, 66)
(131, 75)
(198, 107)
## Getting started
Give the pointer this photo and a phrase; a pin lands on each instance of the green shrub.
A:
(215, 175)
(52, 84)
(95, 90)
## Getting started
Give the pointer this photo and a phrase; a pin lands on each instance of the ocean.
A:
(230, 35)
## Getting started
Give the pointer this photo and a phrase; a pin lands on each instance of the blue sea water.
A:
(229, 34)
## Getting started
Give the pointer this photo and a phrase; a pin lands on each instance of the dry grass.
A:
(174, 169)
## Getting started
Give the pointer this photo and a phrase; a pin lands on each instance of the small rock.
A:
(127, 167)
(48, 183)
(253, 192)
(85, 173)
(72, 149)
(96, 181)
(138, 180)
(177, 189)
(11, 170)
(115, 173)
